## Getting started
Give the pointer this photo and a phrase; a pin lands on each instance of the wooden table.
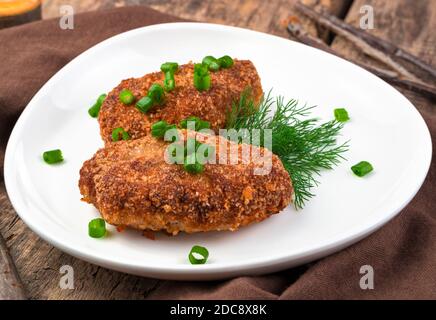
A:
(407, 23)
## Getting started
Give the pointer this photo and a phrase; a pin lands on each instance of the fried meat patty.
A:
(184, 101)
(132, 185)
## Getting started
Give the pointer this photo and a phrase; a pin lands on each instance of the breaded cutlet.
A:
(132, 185)
(184, 101)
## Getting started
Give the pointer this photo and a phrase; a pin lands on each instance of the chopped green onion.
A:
(191, 165)
(116, 134)
(144, 104)
(95, 109)
(101, 98)
(341, 115)
(184, 123)
(97, 228)
(198, 250)
(193, 168)
(126, 96)
(202, 125)
(225, 62)
(154, 96)
(198, 123)
(201, 77)
(169, 67)
(156, 93)
(159, 129)
(201, 69)
(202, 83)
(211, 63)
(362, 168)
(169, 82)
(53, 156)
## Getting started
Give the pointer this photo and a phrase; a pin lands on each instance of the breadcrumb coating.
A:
(132, 185)
(184, 101)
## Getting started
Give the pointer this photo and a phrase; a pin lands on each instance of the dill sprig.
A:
(304, 146)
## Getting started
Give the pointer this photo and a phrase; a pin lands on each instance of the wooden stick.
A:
(11, 287)
(325, 20)
(299, 33)
(344, 29)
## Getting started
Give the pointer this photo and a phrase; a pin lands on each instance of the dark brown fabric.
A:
(402, 253)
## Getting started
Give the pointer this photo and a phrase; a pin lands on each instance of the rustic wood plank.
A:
(266, 16)
(11, 287)
(397, 22)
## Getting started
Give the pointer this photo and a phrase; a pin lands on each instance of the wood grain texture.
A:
(265, 16)
(38, 263)
(11, 287)
(408, 24)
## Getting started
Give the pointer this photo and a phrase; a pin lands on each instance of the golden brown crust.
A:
(184, 101)
(131, 185)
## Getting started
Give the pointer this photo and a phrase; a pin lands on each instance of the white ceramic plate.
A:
(385, 129)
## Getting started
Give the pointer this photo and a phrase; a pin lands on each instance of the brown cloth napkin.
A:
(402, 253)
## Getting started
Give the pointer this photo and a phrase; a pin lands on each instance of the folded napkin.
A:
(402, 253)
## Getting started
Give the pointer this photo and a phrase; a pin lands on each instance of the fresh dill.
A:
(304, 146)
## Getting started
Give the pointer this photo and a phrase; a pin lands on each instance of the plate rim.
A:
(185, 271)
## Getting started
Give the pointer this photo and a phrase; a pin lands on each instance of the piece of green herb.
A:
(304, 146)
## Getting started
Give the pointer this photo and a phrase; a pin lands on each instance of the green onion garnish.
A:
(211, 63)
(225, 62)
(144, 104)
(198, 123)
(191, 165)
(341, 115)
(156, 93)
(95, 109)
(155, 96)
(169, 67)
(53, 156)
(198, 250)
(201, 69)
(169, 82)
(202, 84)
(97, 228)
(101, 98)
(159, 129)
(126, 97)
(362, 168)
(201, 77)
(120, 131)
